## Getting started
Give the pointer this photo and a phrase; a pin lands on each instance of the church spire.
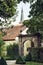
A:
(21, 18)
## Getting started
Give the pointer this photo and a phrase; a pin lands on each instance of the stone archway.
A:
(33, 38)
(22, 40)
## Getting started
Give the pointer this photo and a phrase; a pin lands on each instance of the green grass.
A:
(33, 63)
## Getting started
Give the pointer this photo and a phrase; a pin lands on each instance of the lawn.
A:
(33, 63)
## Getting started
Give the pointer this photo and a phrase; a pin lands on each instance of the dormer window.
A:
(20, 30)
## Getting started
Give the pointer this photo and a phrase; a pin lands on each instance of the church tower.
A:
(21, 18)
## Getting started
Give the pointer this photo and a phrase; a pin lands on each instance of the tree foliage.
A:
(1, 44)
(7, 8)
(36, 8)
(25, 1)
(35, 23)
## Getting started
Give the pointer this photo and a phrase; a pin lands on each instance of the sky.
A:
(26, 9)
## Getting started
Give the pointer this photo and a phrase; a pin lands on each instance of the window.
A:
(20, 30)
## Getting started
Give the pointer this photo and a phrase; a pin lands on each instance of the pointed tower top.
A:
(21, 19)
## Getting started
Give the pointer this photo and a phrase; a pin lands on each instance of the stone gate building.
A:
(26, 42)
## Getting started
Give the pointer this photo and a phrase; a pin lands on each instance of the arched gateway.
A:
(26, 42)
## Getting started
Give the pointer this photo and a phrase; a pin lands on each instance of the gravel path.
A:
(11, 62)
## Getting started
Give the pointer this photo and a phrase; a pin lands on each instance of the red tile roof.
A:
(12, 33)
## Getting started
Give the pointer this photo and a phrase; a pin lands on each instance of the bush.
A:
(28, 57)
(2, 61)
(37, 54)
(34, 54)
(1, 44)
(9, 58)
(13, 51)
(20, 60)
(41, 54)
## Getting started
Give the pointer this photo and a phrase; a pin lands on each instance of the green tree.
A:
(36, 8)
(1, 44)
(7, 8)
(35, 23)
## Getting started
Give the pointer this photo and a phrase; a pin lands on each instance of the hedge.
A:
(37, 54)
